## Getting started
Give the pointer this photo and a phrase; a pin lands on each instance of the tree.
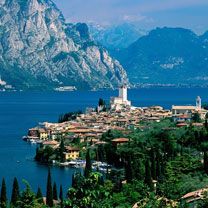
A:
(61, 150)
(101, 102)
(28, 199)
(15, 193)
(204, 148)
(100, 153)
(49, 192)
(89, 192)
(153, 164)
(61, 196)
(148, 177)
(3, 198)
(102, 105)
(196, 117)
(206, 124)
(158, 165)
(129, 169)
(39, 196)
(206, 162)
(55, 194)
(88, 166)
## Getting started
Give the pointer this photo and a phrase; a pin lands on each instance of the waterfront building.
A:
(43, 134)
(121, 100)
(71, 153)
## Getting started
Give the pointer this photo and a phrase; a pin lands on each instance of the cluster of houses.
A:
(90, 126)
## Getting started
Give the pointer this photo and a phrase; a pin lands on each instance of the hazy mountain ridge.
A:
(116, 36)
(38, 49)
(167, 55)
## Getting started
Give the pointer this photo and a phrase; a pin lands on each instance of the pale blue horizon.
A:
(147, 14)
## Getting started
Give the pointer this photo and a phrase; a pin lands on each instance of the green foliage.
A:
(88, 166)
(87, 193)
(62, 150)
(45, 155)
(176, 158)
(148, 177)
(157, 202)
(61, 197)
(69, 116)
(28, 198)
(196, 117)
(111, 134)
(49, 190)
(55, 193)
(101, 102)
(39, 196)
(15, 193)
(3, 199)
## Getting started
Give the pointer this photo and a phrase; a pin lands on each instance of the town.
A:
(88, 128)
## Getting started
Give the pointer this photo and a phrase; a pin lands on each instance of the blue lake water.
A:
(20, 111)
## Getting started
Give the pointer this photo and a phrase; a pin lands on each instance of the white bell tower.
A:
(198, 103)
(123, 92)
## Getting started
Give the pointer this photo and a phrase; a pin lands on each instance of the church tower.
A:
(198, 103)
(123, 92)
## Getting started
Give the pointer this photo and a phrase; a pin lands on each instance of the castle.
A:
(122, 100)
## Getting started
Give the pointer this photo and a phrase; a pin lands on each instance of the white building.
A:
(121, 100)
(198, 103)
(186, 112)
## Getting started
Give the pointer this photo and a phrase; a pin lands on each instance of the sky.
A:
(147, 14)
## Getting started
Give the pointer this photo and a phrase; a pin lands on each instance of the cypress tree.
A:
(158, 168)
(206, 162)
(15, 193)
(153, 165)
(100, 153)
(3, 198)
(206, 124)
(128, 169)
(62, 149)
(39, 196)
(61, 196)
(148, 177)
(49, 192)
(73, 180)
(88, 166)
(55, 194)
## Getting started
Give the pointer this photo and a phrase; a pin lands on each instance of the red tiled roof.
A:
(120, 140)
(182, 124)
(50, 143)
(69, 148)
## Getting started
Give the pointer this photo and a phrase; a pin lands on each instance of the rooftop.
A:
(185, 107)
(120, 140)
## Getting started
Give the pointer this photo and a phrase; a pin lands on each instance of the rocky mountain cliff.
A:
(167, 56)
(39, 50)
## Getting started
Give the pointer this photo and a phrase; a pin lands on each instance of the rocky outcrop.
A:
(39, 50)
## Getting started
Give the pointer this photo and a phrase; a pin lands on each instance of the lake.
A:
(20, 111)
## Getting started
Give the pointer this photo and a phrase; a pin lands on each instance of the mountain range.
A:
(116, 37)
(39, 50)
(167, 56)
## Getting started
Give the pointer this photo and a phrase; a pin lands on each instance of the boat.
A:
(25, 138)
(64, 164)
(101, 166)
(32, 141)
